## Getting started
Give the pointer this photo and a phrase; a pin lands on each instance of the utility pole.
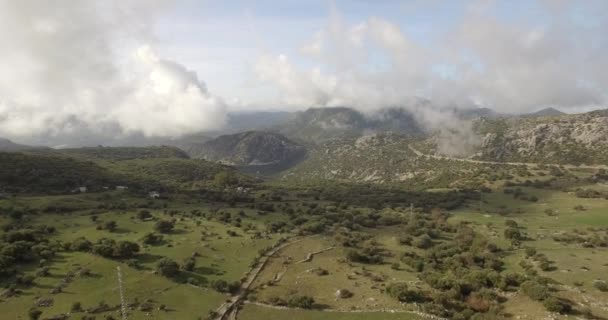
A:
(123, 306)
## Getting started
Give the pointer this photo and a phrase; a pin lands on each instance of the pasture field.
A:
(226, 238)
(255, 312)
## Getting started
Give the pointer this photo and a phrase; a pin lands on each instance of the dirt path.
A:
(311, 255)
(229, 310)
(528, 164)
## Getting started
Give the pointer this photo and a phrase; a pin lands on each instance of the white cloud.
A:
(68, 65)
(481, 60)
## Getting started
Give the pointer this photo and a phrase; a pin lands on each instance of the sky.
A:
(169, 68)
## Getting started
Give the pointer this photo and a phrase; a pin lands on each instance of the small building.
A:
(242, 190)
(121, 188)
(153, 194)
(79, 190)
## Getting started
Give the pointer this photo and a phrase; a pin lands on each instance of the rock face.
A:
(252, 148)
(568, 139)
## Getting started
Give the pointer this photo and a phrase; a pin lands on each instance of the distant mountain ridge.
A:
(546, 112)
(249, 149)
(9, 146)
(322, 124)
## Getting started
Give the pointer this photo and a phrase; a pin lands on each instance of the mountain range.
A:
(333, 138)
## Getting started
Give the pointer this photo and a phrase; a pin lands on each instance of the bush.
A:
(530, 251)
(144, 214)
(110, 226)
(189, 264)
(163, 226)
(167, 267)
(423, 242)
(553, 304)
(76, 307)
(401, 292)
(601, 286)
(152, 238)
(34, 314)
(304, 302)
(534, 290)
(512, 233)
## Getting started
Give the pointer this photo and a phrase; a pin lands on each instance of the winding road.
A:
(528, 164)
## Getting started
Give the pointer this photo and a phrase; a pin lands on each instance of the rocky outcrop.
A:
(252, 148)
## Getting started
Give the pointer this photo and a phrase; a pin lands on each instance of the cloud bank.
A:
(509, 65)
(69, 67)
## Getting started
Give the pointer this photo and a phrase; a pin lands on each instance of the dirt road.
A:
(528, 164)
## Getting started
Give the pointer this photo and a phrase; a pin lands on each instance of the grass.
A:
(182, 300)
(255, 312)
(220, 257)
(299, 278)
(225, 257)
(576, 267)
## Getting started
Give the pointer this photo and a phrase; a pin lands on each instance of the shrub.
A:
(553, 304)
(423, 242)
(401, 292)
(512, 233)
(601, 286)
(144, 214)
(152, 238)
(530, 251)
(76, 307)
(110, 226)
(163, 226)
(535, 290)
(304, 302)
(189, 264)
(34, 314)
(167, 267)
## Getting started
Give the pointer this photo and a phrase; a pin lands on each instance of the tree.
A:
(535, 290)
(224, 179)
(110, 225)
(144, 214)
(304, 302)
(126, 249)
(152, 238)
(189, 264)
(423, 242)
(530, 251)
(512, 233)
(34, 314)
(164, 226)
(601, 285)
(554, 304)
(167, 267)
(76, 307)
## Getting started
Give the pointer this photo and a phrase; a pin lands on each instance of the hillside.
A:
(52, 174)
(124, 153)
(322, 124)
(546, 112)
(143, 169)
(568, 139)
(380, 159)
(250, 149)
(561, 139)
(9, 146)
